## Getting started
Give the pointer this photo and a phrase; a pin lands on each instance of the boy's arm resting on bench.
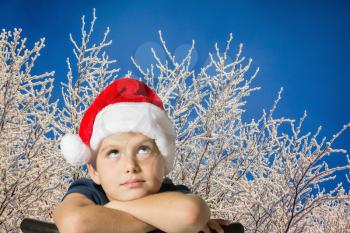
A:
(168, 211)
(77, 213)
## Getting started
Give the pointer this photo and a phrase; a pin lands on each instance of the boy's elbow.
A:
(69, 223)
(198, 214)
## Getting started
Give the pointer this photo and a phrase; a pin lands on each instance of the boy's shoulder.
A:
(90, 189)
(168, 185)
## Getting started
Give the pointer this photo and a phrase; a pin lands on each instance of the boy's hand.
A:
(117, 205)
(214, 224)
(112, 205)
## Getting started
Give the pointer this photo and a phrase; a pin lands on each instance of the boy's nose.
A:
(131, 165)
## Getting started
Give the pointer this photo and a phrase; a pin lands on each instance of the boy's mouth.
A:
(131, 181)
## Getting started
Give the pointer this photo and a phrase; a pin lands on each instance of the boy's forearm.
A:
(168, 211)
(101, 219)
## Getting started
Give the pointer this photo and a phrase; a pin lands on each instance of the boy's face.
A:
(125, 156)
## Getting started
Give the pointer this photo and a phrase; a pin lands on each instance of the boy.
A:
(127, 142)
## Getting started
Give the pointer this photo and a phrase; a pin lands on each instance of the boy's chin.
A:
(130, 197)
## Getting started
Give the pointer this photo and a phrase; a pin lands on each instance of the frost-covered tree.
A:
(86, 78)
(26, 116)
(256, 172)
(264, 173)
(34, 175)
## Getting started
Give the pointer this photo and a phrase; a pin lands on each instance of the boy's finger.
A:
(222, 221)
(216, 226)
(205, 230)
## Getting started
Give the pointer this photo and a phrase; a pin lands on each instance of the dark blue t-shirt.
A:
(95, 192)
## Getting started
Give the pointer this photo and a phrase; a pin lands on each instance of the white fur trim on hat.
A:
(74, 150)
(143, 117)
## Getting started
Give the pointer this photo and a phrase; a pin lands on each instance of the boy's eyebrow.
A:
(112, 144)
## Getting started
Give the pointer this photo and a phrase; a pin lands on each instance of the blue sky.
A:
(300, 45)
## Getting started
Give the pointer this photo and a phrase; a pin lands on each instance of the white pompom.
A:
(74, 150)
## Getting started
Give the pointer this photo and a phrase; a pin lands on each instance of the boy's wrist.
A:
(120, 205)
(111, 205)
(117, 205)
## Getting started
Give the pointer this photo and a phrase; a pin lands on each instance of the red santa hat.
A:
(126, 105)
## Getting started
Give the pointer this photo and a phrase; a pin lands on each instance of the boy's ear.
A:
(93, 173)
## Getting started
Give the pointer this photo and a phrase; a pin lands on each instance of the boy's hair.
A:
(93, 163)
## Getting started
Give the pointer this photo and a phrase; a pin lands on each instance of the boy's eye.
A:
(144, 150)
(113, 153)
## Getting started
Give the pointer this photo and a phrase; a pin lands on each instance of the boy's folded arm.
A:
(77, 213)
(168, 211)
